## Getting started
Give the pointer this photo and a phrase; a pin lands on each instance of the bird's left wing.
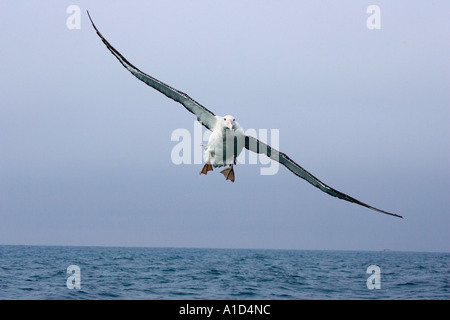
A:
(205, 116)
(257, 146)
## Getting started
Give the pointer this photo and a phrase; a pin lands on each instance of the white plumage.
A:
(224, 146)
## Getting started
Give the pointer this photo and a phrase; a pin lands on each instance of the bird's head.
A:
(228, 122)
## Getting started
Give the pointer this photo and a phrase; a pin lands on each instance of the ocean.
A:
(108, 273)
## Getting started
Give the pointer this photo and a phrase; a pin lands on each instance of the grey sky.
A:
(85, 147)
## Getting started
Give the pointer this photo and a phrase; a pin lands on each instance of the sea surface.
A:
(104, 273)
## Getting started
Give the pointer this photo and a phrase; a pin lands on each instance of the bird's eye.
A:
(233, 119)
(224, 119)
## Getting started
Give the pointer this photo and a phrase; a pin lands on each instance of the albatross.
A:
(227, 138)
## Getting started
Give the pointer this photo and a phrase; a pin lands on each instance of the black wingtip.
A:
(385, 212)
(396, 215)
(92, 22)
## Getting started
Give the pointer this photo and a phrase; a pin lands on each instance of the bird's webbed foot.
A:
(206, 167)
(228, 173)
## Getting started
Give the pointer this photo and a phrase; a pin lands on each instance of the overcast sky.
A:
(85, 148)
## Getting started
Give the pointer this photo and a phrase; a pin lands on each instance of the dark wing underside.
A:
(257, 146)
(205, 116)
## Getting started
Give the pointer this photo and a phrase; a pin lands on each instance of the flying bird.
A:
(227, 138)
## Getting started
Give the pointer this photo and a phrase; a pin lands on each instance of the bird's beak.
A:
(230, 124)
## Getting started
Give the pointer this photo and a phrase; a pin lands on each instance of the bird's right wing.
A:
(257, 146)
(205, 116)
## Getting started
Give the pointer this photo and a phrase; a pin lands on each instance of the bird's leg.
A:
(228, 173)
(206, 167)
